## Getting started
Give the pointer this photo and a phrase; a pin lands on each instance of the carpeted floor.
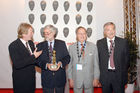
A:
(96, 90)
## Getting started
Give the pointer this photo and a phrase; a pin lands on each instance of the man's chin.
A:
(31, 39)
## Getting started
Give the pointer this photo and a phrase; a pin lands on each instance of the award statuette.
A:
(54, 66)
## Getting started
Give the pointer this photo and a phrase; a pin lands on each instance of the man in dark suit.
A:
(23, 56)
(113, 60)
(53, 79)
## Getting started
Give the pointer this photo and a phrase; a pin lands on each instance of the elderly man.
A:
(53, 61)
(23, 55)
(113, 60)
(83, 70)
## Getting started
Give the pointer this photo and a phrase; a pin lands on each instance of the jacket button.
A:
(53, 73)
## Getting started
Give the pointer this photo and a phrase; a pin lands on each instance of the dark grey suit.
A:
(113, 80)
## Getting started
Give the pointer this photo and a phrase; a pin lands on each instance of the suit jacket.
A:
(121, 59)
(23, 65)
(90, 66)
(52, 79)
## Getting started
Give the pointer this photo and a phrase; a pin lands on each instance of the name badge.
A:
(78, 66)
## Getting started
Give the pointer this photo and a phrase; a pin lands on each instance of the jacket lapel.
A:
(116, 49)
(31, 44)
(55, 45)
(86, 49)
(22, 46)
(105, 47)
(106, 51)
(75, 51)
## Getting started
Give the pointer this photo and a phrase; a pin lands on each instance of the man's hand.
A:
(125, 86)
(96, 83)
(54, 69)
(37, 54)
(71, 83)
(59, 64)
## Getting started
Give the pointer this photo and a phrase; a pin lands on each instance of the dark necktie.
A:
(112, 54)
(82, 50)
(51, 50)
(27, 47)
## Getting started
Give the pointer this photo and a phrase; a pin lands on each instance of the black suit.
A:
(23, 67)
(51, 79)
(113, 80)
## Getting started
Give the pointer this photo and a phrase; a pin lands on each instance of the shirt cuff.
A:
(46, 66)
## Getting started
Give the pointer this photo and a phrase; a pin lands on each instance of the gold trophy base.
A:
(54, 66)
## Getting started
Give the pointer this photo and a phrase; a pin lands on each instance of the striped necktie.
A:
(112, 54)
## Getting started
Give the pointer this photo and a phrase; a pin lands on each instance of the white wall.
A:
(109, 10)
(13, 12)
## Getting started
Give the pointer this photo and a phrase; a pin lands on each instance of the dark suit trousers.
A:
(24, 91)
(51, 90)
(112, 85)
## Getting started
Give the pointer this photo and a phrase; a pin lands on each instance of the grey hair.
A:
(52, 29)
(109, 23)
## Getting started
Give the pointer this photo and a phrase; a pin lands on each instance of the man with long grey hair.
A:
(53, 61)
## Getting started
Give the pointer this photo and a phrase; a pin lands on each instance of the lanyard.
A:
(80, 54)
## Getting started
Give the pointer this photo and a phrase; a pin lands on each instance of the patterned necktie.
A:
(27, 47)
(50, 56)
(112, 54)
(82, 50)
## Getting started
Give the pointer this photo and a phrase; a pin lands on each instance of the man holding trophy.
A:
(53, 61)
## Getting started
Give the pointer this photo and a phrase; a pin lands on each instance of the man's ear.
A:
(23, 35)
(104, 34)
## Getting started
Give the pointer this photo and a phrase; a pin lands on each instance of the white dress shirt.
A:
(52, 43)
(24, 42)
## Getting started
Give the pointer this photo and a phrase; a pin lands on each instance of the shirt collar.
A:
(51, 41)
(108, 40)
(23, 41)
(79, 43)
